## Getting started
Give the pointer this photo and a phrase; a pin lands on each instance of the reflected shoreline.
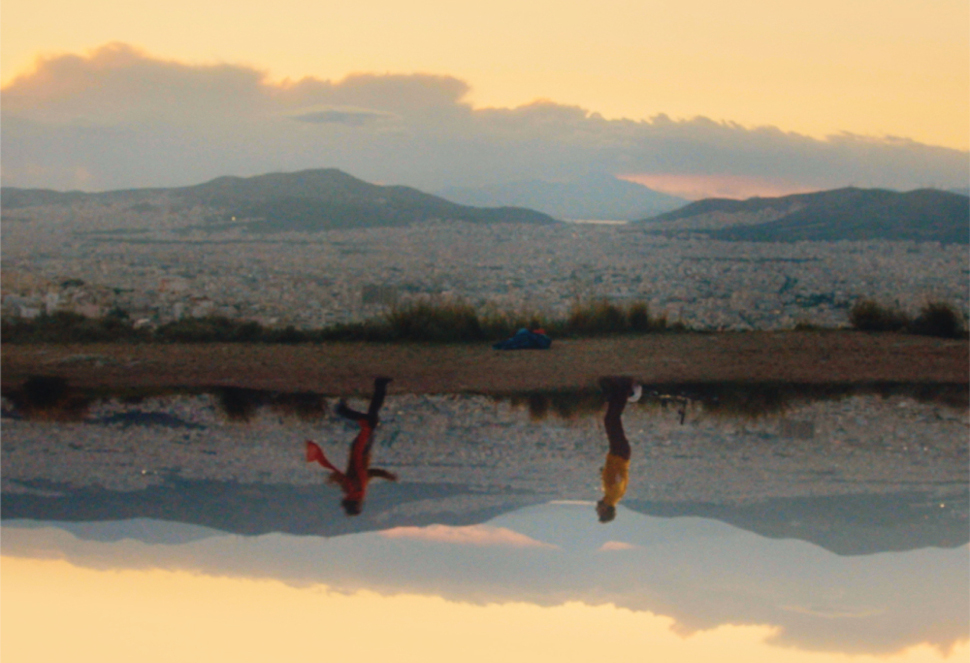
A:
(54, 398)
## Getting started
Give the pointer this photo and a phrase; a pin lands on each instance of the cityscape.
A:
(158, 268)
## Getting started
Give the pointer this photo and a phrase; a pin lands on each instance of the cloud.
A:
(611, 546)
(349, 116)
(830, 612)
(126, 119)
(468, 535)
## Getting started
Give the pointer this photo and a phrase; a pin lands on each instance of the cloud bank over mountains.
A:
(118, 118)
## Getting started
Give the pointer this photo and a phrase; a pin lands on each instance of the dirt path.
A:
(802, 357)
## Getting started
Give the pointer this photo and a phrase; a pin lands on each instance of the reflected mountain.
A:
(844, 525)
(254, 509)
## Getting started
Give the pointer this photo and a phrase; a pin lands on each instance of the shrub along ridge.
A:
(434, 322)
(421, 321)
(935, 319)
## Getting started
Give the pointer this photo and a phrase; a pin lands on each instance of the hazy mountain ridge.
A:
(598, 196)
(839, 214)
(845, 525)
(308, 200)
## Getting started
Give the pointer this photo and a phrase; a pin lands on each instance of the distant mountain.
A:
(840, 214)
(309, 200)
(598, 196)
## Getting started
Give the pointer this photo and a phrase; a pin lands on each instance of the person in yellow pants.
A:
(616, 471)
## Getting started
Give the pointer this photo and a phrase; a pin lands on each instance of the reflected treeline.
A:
(52, 398)
(564, 404)
(750, 400)
(48, 398)
(239, 404)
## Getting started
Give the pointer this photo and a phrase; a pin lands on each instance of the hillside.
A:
(598, 196)
(309, 200)
(840, 214)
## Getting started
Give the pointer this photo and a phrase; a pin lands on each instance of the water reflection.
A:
(616, 468)
(171, 615)
(698, 572)
(822, 519)
(858, 444)
(354, 481)
(732, 400)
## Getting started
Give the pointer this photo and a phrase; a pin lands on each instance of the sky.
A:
(696, 97)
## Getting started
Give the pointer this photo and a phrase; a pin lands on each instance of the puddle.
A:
(835, 516)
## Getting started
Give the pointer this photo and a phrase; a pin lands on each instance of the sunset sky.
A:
(790, 96)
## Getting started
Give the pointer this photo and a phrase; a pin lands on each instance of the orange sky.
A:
(886, 67)
(54, 611)
(695, 187)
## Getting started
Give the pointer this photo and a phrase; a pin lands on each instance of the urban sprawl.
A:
(156, 270)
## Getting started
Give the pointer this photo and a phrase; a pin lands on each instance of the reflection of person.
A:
(353, 482)
(616, 471)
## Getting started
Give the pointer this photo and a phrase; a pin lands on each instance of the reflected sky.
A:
(689, 582)
(826, 529)
(173, 615)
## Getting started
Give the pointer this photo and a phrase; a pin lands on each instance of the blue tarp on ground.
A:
(525, 340)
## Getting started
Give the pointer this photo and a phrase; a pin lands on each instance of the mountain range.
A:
(327, 199)
(596, 196)
(839, 214)
(309, 200)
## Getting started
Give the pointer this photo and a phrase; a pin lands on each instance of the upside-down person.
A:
(353, 482)
(616, 471)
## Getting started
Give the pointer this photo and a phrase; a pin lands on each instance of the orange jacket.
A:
(354, 481)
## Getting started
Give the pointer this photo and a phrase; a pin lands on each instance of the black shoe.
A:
(617, 386)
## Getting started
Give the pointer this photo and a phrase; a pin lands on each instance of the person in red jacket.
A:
(353, 482)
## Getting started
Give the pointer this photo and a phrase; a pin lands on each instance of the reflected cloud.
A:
(610, 546)
(468, 535)
(168, 614)
(832, 612)
(701, 574)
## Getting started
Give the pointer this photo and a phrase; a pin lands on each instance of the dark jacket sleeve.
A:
(383, 474)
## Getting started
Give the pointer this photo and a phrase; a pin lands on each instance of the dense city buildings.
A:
(177, 266)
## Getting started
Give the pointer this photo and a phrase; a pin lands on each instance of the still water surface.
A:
(190, 527)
